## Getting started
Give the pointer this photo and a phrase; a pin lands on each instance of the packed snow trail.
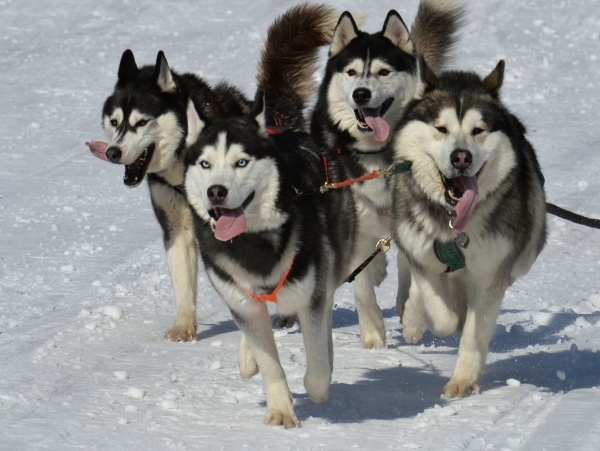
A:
(76, 247)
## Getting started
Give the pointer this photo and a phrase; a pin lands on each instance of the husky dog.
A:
(260, 240)
(145, 122)
(368, 80)
(470, 215)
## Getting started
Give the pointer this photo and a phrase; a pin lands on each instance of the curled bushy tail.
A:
(435, 30)
(289, 57)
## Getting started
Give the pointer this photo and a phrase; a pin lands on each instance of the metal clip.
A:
(326, 187)
(385, 243)
(462, 240)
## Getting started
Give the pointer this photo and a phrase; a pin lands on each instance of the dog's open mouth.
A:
(462, 193)
(230, 222)
(370, 120)
(136, 171)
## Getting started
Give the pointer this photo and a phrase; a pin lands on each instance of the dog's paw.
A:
(281, 417)
(317, 388)
(412, 333)
(182, 332)
(460, 388)
(284, 322)
(372, 340)
(246, 360)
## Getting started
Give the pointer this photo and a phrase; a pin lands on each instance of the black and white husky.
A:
(145, 123)
(260, 240)
(470, 215)
(368, 80)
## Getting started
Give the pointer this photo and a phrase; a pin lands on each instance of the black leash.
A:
(572, 217)
(382, 246)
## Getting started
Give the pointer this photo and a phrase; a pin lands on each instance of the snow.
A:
(86, 297)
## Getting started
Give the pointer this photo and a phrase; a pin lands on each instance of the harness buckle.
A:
(326, 187)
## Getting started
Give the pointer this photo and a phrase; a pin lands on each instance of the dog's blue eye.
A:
(242, 163)
(205, 164)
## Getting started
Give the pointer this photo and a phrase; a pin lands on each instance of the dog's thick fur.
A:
(235, 168)
(460, 112)
(378, 71)
(145, 122)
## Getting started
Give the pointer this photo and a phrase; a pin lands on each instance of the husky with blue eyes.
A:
(261, 241)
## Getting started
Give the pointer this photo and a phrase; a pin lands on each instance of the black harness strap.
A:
(572, 217)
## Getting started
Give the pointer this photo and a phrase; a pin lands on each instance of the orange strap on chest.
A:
(271, 297)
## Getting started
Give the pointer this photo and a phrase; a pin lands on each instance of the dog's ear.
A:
(257, 112)
(163, 74)
(128, 69)
(195, 124)
(493, 82)
(345, 31)
(428, 79)
(395, 30)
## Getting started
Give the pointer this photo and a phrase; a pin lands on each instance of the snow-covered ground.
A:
(75, 374)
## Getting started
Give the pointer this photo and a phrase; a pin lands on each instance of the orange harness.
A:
(271, 297)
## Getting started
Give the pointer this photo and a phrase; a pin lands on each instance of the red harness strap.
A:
(271, 297)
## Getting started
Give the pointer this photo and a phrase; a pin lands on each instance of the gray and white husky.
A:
(470, 215)
(368, 81)
(259, 239)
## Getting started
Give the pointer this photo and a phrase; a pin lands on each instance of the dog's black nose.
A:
(461, 159)
(361, 96)
(113, 154)
(217, 194)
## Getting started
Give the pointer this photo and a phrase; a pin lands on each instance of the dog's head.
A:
(233, 173)
(458, 136)
(369, 79)
(144, 118)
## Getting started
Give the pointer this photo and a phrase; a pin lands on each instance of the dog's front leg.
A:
(404, 282)
(256, 327)
(483, 306)
(439, 306)
(316, 326)
(372, 329)
(175, 217)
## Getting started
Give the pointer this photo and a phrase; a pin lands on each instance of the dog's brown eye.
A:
(477, 131)
(351, 72)
(443, 130)
(141, 123)
(384, 72)
(113, 122)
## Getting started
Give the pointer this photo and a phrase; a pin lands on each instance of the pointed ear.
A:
(493, 82)
(163, 74)
(257, 112)
(429, 80)
(395, 30)
(195, 124)
(128, 69)
(345, 31)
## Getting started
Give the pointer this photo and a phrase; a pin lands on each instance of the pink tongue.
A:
(231, 224)
(98, 149)
(466, 205)
(381, 129)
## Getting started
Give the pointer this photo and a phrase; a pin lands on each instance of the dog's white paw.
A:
(317, 388)
(412, 333)
(182, 332)
(281, 417)
(246, 360)
(372, 340)
(459, 388)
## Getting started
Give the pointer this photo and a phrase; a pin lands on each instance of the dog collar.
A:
(449, 253)
(272, 296)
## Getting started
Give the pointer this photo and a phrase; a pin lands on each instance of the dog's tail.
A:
(435, 31)
(289, 58)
